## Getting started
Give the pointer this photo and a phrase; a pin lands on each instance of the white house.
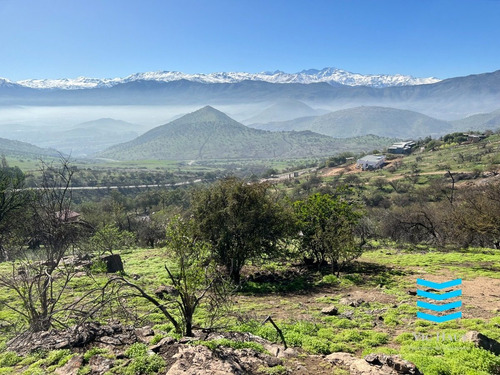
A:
(371, 162)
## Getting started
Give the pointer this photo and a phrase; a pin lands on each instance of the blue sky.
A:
(115, 38)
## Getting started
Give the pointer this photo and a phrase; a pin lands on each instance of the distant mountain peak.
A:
(333, 76)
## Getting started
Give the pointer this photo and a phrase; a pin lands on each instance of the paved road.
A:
(127, 186)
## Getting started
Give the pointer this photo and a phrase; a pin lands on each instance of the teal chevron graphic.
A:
(439, 297)
(439, 286)
(439, 319)
(439, 308)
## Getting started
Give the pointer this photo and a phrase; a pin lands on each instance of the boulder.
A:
(113, 263)
(482, 341)
(75, 337)
(166, 290)
(199, 360)
(352, 302)
(373, 364)
(393, 362)
(330, 310)
(100, 365)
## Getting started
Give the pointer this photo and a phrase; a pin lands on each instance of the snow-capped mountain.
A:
(6, 83)
(329, 75)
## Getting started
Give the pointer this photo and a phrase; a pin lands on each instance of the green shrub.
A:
(136, 350)
(142, 362)
(92, 352)
(214, 344)
(9, 359)
(437, 358)
(316, 345)
(330, 280)
(148, 364)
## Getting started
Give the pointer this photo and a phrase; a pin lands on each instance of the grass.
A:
(376, 326)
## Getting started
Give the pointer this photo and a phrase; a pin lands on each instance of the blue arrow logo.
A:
(439, 297)
(439, 286)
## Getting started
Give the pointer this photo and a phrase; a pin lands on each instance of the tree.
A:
(240, 221)
(109, 238)
(194, 277)
(13, 199)
(40, 277)
(327, 223)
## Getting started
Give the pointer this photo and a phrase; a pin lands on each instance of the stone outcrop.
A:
(113, 334)
(199, 360)
(113, 263)
(373, 364)
(181, 356)
(482, 341)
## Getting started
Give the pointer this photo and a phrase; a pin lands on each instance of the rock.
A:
(164, 341)
(341, 359)
(392, 362)
(347, 314)
(71, 367)
(273, 350)
(373, 364)
(110, 341)
(74, 337)
(330, 310)
(100, 365)
(199, 360)
(482, 341)
(162, 291)
(352, 302)
(113, 263)
(144, 334)
(288, 353)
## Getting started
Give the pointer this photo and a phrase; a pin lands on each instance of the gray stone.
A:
(330, 310)
(71, 367)
(352, 302)
(482, 341)
(113, 263)
(100, 365)
(393, 362)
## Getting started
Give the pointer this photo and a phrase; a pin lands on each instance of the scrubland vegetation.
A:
(224, 255)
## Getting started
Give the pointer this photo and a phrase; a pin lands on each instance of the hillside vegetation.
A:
(210, 134)
(330, 257)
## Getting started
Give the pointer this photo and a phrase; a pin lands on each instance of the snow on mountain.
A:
(6, 83)
(329, 75)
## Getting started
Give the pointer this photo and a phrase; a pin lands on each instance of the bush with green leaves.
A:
(327, 224)
(142, 362)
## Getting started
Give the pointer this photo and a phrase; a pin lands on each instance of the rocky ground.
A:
(185, 356)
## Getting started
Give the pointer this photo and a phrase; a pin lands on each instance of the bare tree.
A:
(195, 279)
(41, 275)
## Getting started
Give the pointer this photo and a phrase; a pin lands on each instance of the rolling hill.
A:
(482, 121)
(381, 121)
(9, 147)
(86, 138)
(284, 110)
(211, 134)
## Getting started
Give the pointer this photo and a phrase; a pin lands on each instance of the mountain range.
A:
(449, 99)
(210, 134)
(328, 75)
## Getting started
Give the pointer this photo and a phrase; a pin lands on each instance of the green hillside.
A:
(352, 122)
(283, 111)
(481, 121)
(210, 134)
(12, 148)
